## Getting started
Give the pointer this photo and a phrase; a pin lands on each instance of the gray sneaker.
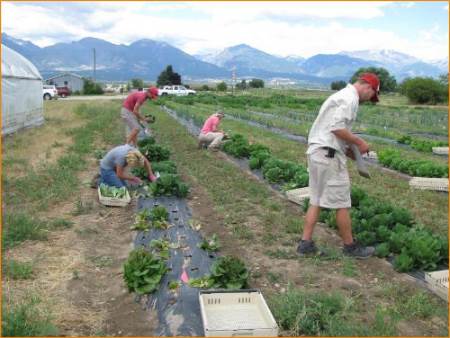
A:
(356, 250)
(307, 248)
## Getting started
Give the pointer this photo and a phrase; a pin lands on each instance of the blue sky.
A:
(282, 28)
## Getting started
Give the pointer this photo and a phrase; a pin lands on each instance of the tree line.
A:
(418, 90)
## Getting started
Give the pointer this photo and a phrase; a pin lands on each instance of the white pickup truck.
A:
(175, 90)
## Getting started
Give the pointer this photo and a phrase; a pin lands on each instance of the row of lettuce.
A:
(146, 267)
(391, 229)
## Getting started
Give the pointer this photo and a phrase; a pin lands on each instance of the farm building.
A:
(22, 104)
(73, 81)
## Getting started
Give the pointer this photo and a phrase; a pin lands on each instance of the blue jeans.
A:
(109, 177)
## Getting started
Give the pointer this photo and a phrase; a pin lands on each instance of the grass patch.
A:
(82, 207)
(282, 254)
(273, 277)
(21, 227)
(294, 226)
(27, 319)
(349, 268)
(325, 314)
(51, 183)
(18, 270)
(60, 223)
(101, 261)
(241, 231)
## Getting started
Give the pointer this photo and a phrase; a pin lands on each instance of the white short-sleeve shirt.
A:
(337, 112)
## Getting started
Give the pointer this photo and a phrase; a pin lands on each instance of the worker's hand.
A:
(349, 153)
(152, 178)
(362, 146)
(150, 119)
(135, 180)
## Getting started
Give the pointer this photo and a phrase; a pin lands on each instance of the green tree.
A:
(91, 88)
(338, 85)
(168, 77)
(256, 83)
(424, 90)
(222, 86)
(137, 83)
(242, 85)
(205, 87)
(387, 81)
(443, 78)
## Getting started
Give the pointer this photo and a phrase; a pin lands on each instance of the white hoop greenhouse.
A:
(22, 102)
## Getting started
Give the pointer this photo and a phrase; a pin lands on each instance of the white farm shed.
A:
(22, 102)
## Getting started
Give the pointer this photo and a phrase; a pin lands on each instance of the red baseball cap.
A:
(374, 82)
(153, 92)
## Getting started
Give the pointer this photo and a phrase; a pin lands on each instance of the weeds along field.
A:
(63, 253)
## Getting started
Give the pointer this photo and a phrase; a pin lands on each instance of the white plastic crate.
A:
(438, 283)
(298, 195)
(428, 183)
(440, 150)
(236, 313)
(112, 201)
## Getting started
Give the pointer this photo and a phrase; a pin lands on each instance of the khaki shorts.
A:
(329, 183)
(130, 120)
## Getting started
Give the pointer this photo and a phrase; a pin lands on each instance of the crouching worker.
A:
(210, 135)
(113, 165)
(131, 113)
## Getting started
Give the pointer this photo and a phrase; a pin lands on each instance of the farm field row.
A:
(390, 120)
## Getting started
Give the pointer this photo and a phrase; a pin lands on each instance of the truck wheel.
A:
(47, 97)
(164, 94)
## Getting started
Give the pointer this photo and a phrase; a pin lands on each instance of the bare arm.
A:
(121, 174)
(351, 138)
(148, 168)
(136, 109)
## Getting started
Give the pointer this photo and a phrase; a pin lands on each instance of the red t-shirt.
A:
(132, 99)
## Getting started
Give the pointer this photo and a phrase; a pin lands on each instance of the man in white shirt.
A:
(328, 146)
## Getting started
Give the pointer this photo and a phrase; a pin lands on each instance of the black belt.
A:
(331, 152)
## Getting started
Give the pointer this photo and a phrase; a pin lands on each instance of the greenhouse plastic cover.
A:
(22, 95)
(17, 66)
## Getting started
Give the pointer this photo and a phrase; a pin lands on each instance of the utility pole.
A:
(94, 63)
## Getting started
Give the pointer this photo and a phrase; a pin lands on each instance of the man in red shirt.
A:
(210, 135)
(131, 115)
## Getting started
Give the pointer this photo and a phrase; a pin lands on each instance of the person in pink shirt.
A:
(210, 135)
(130, 112)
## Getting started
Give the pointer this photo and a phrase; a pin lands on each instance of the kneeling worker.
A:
(210, 135)
(112, 166)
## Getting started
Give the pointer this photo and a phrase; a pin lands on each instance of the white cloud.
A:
(281, 28)
(407, 4)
